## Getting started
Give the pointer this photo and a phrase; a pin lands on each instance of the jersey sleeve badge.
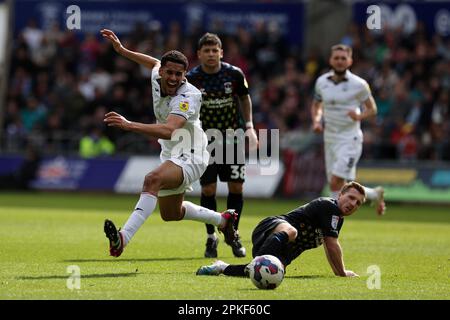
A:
(184, 106)
(334, 222)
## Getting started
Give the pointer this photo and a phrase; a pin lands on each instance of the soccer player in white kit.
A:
(176, 105)
(337, 98)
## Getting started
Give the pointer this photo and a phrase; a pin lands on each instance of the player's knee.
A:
(209, 190)
(288, 229)
(152, 180)
(236, 187)
(291, 232)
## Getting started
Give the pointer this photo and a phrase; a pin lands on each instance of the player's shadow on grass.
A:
(104, 275)
(132, 260)
(311, 276)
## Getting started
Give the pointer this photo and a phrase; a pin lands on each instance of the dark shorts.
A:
(234, 172)
(226, 173)
(262, 231)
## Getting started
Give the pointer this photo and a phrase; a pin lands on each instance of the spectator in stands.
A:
(95, 144)
(34, 114)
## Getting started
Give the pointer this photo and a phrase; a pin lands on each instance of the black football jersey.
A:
(220, 92)
(314, 220)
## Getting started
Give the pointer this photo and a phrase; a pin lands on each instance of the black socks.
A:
(209, 203)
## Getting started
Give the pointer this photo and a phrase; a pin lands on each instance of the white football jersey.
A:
(186, 104)
(338, 99)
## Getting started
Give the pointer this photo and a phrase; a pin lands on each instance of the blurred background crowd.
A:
(60, 87)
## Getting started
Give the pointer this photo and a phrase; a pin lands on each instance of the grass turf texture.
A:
(42, 234)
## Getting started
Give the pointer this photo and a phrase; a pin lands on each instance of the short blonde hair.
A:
(342, 47)
(355, 185)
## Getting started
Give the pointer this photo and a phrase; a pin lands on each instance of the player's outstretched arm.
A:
(140, 58)
(157, 130)
(334, 255)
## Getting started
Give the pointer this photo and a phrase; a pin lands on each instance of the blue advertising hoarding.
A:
(61, 173)
(122, 16)
(421, 182)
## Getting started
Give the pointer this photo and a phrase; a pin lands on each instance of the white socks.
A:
(198, 213)
(144, 208)
(147, 204)
(371, 194)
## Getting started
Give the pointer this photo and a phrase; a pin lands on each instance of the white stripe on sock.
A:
(144, 208)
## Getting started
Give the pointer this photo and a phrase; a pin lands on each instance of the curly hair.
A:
(175, 57)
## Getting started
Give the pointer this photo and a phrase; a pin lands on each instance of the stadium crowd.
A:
(60, 87)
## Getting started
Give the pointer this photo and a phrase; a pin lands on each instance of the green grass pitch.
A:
(43, 234)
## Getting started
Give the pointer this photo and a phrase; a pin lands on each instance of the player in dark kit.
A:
(226, 105)
(309, 226)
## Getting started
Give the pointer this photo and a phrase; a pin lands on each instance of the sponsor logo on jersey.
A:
(184, 106)
(334, 221)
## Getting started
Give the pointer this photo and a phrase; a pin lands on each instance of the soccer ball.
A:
(266, 272)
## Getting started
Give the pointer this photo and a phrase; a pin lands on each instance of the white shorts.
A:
(341, 158)
(193, 166)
